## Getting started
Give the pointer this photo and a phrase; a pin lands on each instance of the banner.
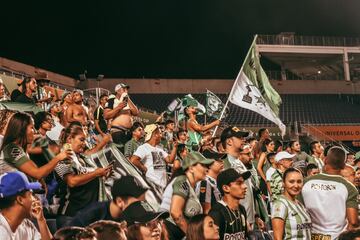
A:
(338, 133)
(123, 167)
(22, 107)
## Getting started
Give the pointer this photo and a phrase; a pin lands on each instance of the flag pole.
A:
(233, 86)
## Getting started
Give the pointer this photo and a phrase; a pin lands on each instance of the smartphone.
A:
(126, 99)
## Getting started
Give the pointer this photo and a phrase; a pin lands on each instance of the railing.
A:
(317, 134)
(279, 75)
(291, 39)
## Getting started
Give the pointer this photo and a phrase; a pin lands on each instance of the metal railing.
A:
(279, 75)
(291, 39)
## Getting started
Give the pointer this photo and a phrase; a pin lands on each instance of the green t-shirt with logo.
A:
(182, 188)
(14, 155)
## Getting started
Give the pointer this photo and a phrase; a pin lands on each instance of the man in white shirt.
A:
(17, 204)
(151, 159)
(330, 199)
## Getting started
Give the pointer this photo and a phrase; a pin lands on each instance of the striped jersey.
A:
(326, 197)
(297, 220)
(276, 185)
(207, 191)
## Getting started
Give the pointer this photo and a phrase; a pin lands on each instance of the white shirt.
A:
(269, 173)
(55, 132)
(326, 198)
(25, 231)
(154, 160)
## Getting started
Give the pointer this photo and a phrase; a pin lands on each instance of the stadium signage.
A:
(339, 133)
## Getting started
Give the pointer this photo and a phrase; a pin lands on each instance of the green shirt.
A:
(317, 161)
(130, 147)
(296, 218)
(182, 188)
(14, 155)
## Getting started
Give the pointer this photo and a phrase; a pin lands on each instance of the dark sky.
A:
(159, 38)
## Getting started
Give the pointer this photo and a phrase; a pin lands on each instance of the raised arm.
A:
(30, 168)
(202, 128)
(111, 113)
(134, 110)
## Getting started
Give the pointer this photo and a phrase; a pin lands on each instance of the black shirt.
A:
(110, 103)
(99, 115)
(95, 212)
(25, 99)
(15, 94)
(74, 199)
(232, 224)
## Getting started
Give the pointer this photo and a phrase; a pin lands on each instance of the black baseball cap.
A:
(127, 186)
(230, 175)
(207, 153)
(141, 212)
(232, 132)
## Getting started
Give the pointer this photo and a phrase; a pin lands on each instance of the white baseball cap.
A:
(121, 85)
(283, 155)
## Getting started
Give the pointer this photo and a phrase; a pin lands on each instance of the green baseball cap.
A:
(194, 158)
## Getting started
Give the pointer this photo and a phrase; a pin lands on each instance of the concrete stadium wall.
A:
(224, 86)
(33, 71)
(151, 85)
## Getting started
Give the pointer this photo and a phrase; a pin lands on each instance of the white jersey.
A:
(26, 230)
(269, 173)
(154, 160)
(326, 198)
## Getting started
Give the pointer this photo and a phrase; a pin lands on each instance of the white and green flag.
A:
(214, 105)
(252, 90)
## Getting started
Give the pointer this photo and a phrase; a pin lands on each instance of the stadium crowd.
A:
(231, 186)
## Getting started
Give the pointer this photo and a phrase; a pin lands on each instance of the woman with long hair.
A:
(81, 178)
(202, 227)
(180, 198)
(264, 165)
(18, 136)
(289, 217)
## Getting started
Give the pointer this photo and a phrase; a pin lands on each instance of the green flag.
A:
(189, 100)
(252, 90)
(214, 105)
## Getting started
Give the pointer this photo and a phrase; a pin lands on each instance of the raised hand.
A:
(65, 155)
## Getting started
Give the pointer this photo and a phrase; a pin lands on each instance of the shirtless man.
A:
(120, 110)
(76, 112)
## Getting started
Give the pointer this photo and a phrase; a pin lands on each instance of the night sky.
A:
(159, 38)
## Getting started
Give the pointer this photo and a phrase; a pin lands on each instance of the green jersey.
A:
(130, 147)
(297, 220)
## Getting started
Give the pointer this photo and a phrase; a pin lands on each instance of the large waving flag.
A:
(252, 90)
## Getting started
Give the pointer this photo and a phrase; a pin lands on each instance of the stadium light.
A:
(82, 76)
